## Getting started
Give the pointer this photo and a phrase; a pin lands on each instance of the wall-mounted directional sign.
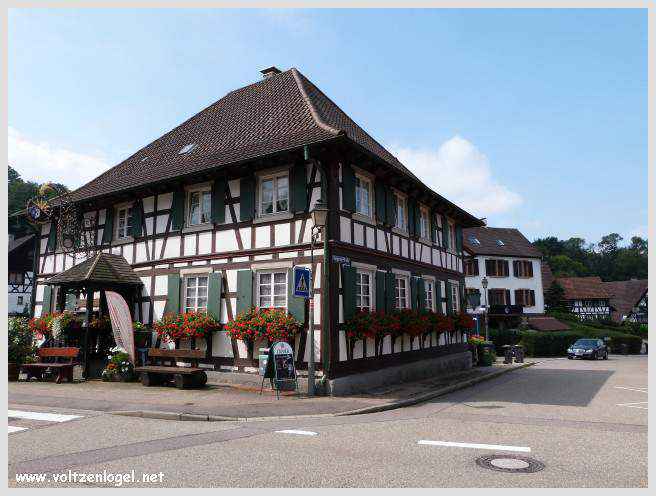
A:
(301, 282)
(342, 260)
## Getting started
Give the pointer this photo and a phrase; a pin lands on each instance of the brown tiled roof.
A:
(18, 242)
(547, 276)
(101, 268)
(583, 287)
(547, 324)
(514, 242)
(282, 112)
(625, 295)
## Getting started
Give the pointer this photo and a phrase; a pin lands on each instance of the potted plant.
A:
(272, 324)
(119, 368)
(20, 345)
(190, 325)
(141, 334)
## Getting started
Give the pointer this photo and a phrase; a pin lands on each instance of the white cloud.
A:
(458, 171)
(43, 162)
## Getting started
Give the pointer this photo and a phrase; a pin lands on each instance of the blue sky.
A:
(532, 118)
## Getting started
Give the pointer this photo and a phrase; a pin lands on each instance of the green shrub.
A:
(634, 343)
(20, 340)
(636, 329)
(537, 343)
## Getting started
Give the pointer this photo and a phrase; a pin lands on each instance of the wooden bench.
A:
(64, 369)
(162, 368)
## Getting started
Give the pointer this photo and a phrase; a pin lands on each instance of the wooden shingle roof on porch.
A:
(103, 268)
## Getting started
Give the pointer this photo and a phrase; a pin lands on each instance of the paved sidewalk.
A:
(229, 401)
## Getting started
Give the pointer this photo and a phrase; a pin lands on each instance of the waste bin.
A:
(518, 352)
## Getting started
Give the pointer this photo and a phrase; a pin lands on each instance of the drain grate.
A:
(510, 463)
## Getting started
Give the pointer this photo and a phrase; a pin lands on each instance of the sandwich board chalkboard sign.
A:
(280, 369)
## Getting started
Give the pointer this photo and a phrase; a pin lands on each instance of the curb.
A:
(360, 411)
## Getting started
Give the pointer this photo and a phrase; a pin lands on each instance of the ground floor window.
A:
(455, 298)
(430, 295)
(363, 290)
(196, 293)
(272, 289)
(401, 287)
(498, 296)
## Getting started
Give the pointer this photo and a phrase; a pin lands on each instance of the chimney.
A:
(270, 71)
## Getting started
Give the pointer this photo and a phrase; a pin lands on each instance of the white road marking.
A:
(49, 417)
(639, 390)
(300, 433)
(12, 428)
(633, 405)
(499, 447)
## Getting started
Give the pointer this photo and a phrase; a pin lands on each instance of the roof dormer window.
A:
(500, 243)
(474, 240)
(187, 148)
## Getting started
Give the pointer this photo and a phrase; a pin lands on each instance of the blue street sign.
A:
(302, 282)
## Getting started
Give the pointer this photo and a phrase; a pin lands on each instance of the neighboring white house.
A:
(511, 265)
(19, 284)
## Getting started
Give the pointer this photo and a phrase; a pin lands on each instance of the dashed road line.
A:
(13, 428)
(48, 417)
(299, 433)
(635, 405)
(499, 447)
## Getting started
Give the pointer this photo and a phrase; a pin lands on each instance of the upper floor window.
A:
(200, 206)
(16, 278)
(19, 300)
(430, 294)
(363, 290)
(496, 268)
(401, 212)
(471, 267)
(196, 293)
(274, 194)
(272, 289)
(452, 236)
(124, 224)
(401, 296)
(424, 223)
(523, 268)
(363, 196)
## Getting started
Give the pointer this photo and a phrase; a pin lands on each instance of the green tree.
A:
(553, 297)
(564, 266)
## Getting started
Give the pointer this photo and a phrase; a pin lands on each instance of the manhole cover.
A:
(510, 463)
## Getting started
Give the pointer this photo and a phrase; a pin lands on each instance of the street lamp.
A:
(484, 284)
(319, 214)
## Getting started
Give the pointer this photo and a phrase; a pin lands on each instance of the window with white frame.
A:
(274, 193)
(401, 212)
(401, 288)
(124, 222)
(424, 223)
(364, 290)
(452, 236)
(196, 293)
(455, 299)
(430, 294)
(363, 196)
(199, 206)
(272, 289)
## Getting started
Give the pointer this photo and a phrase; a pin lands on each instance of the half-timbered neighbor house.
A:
(21, 274)
(214, 215)
(512, 267)
(629, 300)
(586, 297)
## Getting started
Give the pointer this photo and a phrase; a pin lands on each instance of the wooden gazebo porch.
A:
(99, 273)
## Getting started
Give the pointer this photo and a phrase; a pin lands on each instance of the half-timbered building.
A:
(586, 297)
(21, 274)
(214, 215)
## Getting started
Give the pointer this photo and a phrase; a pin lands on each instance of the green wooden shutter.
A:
(247, 199)
(390, 211)
(412, 217)
(507, 297)
(108, 229)
(413, 293)
(47, 300)
(433, 227)
(173, 294)
(438, 296)
(449, 299)
(445, 232)
(71, 302)
(348, 188)
(244, 291)
(380, 202)
(52, 237)
(137, 219)
(214, 295)
(380, 291)
(459, 239)
(421, 294)
(348, 291)
(295, 305)
(417, 219)
(177, 210)
(299, 188)
(218, 200)
(390, 291)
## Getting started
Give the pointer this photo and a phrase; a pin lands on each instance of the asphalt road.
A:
(584, 421)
